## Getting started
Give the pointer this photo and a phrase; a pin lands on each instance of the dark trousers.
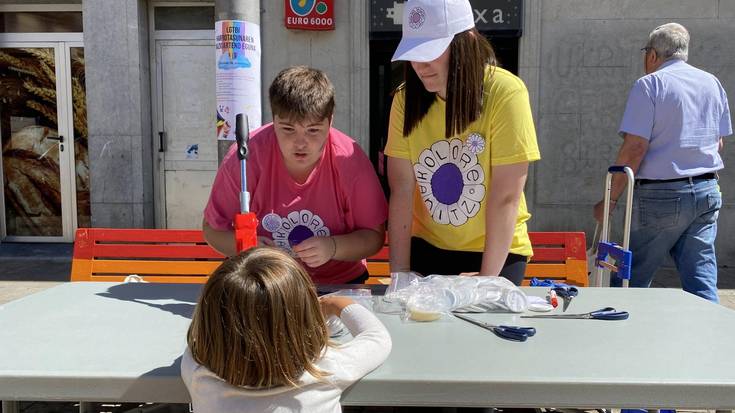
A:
(360, 279)
(428, 259)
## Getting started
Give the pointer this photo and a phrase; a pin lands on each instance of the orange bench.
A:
(559, 256)
(182, 256)
(157, 255)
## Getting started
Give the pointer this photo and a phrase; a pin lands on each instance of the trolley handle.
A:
(605, 231)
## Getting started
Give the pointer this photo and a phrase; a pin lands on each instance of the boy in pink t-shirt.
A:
(313, 189)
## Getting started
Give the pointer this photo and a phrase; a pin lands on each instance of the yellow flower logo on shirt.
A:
(450, 179)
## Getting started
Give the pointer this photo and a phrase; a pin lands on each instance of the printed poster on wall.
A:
(237, 44)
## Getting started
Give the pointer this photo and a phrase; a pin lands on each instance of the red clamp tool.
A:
(246, 222)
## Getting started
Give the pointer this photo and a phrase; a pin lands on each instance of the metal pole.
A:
(247, 10)
(10, 406)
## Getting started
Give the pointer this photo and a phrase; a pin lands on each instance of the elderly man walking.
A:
(672, 129)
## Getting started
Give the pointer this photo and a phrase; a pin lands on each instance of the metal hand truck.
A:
(621, 255)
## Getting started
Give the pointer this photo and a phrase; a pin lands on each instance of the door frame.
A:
(157, 39)
(60, 43)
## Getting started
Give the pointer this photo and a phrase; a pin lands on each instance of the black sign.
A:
(490, 15)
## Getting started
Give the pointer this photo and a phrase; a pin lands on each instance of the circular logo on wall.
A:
(416, 18)
(302, 7)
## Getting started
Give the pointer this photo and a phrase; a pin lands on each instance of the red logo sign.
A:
(310, 14)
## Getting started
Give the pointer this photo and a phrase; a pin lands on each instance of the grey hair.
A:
(670, 41)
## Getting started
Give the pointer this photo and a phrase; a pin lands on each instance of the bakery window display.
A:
(30, 146)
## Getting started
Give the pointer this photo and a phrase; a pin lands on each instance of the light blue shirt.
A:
(682, 111)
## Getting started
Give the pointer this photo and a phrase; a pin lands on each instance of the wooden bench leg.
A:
(10, 407)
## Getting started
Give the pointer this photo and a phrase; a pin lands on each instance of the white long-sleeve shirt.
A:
(345, 364)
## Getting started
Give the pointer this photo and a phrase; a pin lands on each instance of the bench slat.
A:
(549, 254)
(378, 269)
(135, 251)
(202, 268)
(154, 278)
(138, 235)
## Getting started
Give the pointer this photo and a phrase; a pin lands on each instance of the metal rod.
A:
(85, 407)
(609, 266)
(605, 231)
(628, 212)
(10, 406)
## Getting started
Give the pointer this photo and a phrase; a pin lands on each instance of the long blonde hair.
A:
(258, 321)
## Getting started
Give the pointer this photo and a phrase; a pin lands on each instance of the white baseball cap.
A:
(429, 26)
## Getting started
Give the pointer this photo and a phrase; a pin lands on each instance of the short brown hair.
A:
(469, 53)
(258, 322)
(302, 93)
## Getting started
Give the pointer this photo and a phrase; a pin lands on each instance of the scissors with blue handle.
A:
(607, 313)
(507, 332)
(566, 292)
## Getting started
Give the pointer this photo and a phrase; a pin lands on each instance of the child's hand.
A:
(316, 251)
(334, 304)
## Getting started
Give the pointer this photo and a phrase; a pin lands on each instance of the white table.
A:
(123, 342)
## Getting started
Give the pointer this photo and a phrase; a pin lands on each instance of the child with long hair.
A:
(258, 340)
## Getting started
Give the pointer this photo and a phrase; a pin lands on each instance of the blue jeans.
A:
(679, 219)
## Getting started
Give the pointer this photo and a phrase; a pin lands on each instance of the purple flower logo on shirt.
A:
(271, 222)
(475, 143)
(450, 180)
(299, 233)
(296, 227)
(416, 18)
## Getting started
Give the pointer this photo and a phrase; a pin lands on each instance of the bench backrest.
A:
(559, 256)
(158, 255)
(182, 256)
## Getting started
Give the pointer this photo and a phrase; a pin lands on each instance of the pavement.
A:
(29, 268)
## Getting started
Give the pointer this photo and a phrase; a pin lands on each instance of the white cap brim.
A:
(421, 50)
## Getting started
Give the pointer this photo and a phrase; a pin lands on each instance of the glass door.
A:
(43, 133)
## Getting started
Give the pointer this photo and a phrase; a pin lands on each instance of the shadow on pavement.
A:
(35, 262)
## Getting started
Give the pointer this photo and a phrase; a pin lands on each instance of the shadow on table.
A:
(147, 381)
(184, 296)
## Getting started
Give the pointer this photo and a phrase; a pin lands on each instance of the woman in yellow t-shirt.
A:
(460, 139)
